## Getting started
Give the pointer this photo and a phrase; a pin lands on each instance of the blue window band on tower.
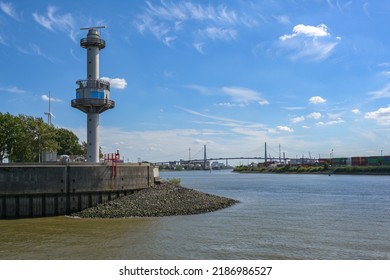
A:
(97, 94)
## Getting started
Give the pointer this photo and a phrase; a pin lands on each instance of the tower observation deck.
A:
(93, 94)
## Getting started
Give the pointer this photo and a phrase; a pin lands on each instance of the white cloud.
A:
(9, 9)
(42, 20)
(185, 11)
(382, 93)
(226, 104)
(240, 96)
(199, 88)
(337, 121)
(385, 73)
(46, 98)
(169, 19)
(334, 116)
(36, 50)
(384, 64)
(74, 56)
(118, 83)
(284, 128)
(13, 89)
(161, 30)
(217, 33)
(283, 19)
(315, 51)
(244, 96)
(222, 120)
(234, 127)
(168, 40)
(309, 42)
(382, 115)
(356, 111)
(298, 119)
(199, 47)
(314, 115)
(308, 31)
(293, 108)
(317, 100)
(52, 21)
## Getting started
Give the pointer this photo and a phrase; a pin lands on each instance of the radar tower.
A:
(93, 94)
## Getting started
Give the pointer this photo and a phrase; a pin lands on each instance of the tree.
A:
(33, 136)
(9, 133)
(68, 142)
(24, 138)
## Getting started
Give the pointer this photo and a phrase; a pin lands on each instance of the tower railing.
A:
(98, 84)
(93, 105)
(89, 41)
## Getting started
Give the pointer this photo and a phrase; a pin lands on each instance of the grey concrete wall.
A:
(32, 179)
(49, 190)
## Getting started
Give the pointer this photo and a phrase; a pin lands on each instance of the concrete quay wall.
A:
(54, 189)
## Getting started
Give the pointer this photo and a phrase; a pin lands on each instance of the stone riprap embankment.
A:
(164, 199)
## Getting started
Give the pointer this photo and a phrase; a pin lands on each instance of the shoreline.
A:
(317, 173)
(164, 199)
(317, 169)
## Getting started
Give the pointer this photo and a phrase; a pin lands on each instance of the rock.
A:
(165, 199)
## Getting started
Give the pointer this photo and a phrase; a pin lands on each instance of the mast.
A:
(49, 114)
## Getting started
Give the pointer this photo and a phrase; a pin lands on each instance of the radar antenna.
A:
(93, 27)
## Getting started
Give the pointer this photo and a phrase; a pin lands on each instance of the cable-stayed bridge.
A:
(205, 161)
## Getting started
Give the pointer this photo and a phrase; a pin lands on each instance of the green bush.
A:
(174, 181)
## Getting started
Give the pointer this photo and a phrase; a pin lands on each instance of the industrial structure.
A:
(93, 94)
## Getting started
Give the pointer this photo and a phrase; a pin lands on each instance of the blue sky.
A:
(311, 76)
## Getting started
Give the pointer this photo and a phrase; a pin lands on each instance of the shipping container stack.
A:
(357, 161)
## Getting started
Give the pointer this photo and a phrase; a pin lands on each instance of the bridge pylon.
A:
(204, 157)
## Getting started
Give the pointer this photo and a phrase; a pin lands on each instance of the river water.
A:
(280, 216)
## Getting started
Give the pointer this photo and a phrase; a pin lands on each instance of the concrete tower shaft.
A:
(93, 44)
(93, 94)
(93, 137)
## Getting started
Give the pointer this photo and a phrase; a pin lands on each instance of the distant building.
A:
(217, 165)
(306, 161)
